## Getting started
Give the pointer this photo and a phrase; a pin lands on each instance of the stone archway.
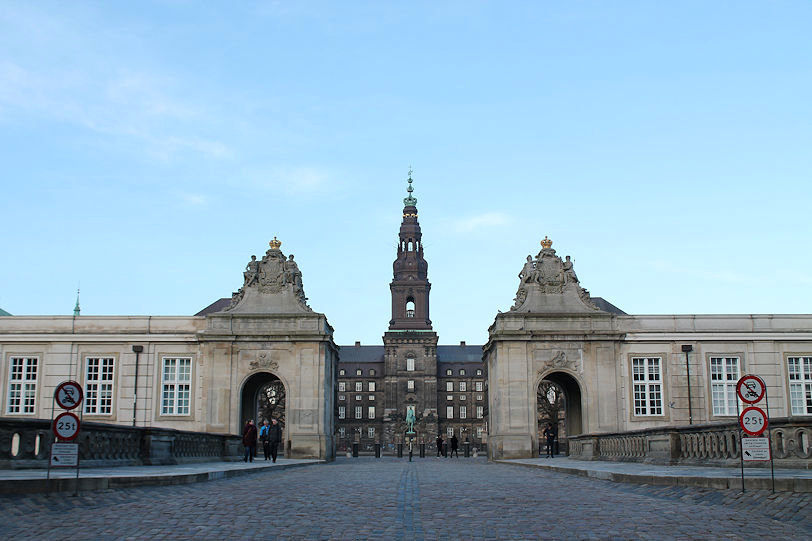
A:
(263, 396)
(567, 411)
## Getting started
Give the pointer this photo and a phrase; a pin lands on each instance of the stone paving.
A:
(390, 498)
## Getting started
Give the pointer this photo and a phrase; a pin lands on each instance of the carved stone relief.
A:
(264, 360)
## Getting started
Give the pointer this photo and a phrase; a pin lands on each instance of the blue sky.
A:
(147, 149)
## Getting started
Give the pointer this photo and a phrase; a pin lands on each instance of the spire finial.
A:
(76, 309)
(410, 201)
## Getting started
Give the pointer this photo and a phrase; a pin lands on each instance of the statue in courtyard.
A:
(410, 420)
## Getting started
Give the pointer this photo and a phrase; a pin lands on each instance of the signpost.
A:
(754, 421)
(755, 449)
(751, 389)
(65, 455)
(66, 426)
(68, 395)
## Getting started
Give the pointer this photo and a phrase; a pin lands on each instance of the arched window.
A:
(410, 308)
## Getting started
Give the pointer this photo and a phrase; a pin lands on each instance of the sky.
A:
(148, 149)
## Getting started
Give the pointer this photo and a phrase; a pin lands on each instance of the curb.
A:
(718, 483)
(38, 486)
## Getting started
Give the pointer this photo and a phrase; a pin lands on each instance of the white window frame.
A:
(462, 371)
(463, 412)
(342, 412)
(647, 386)
(342, 397)
(478, 386)
(359, 413)
(410, 364)
(341, 432)
(371, 397)
(463, 397)
(359, 372)
(463, 386)
(449, 431)
(358, 398)
(176, 386)
(449, 386)
(341, 372)
(371, 387)
(342, 386)
(410, 385)
(448, 372)
(100, 374)
(23, 375)
(479, 432)
(480, 412)
(480, 397)
(359, 386)
(449, 412)
(799, 368)
(723, 384)
(371, 432)
(370, 412)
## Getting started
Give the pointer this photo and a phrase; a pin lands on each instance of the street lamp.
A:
(687, 348)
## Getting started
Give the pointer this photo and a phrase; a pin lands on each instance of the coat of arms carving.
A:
(263, 360)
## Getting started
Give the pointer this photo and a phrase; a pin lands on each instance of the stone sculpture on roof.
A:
(548, 284)
(270, 285)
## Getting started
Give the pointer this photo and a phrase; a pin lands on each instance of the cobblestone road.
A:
(393, 499)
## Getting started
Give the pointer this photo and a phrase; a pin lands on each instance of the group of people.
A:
(270, 434)
(443, 450)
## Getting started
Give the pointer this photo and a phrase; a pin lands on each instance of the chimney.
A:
(358, 343)
(462, 343)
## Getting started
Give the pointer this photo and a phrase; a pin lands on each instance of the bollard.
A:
(422, 450)
(377, 450)
(467, 449)
(400, 450)
(355, 450)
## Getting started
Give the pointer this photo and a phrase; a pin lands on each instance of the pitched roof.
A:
(4, 313)
(217, 306)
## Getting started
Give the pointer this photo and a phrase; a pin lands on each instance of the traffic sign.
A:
(750, 389)
(65, 455)
(68, 395)
(66, 426)
(753, 420)
(755, 449)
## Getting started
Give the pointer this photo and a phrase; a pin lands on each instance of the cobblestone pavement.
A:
(390, 498)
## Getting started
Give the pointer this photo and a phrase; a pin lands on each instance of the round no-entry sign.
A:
(66, 426)
(68, 395)
(753, 420)
(750, 389)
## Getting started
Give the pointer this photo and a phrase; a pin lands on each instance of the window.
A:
(358, 372)
(463, 412)
(371, 371)
(463, 387)
(341, 372)
(410, 308)
(371, 412)
(800, 385)
(341, 432)
(342, 397)
(342, 386)
(462, 371)
(449, 431)
(449, 372)
(480, 397)
(449, 386)
(410, 364)
(648, 394)
(449, 397)
(22, 385)
(410, 385)
(478, 386)
(724, 375)
(358, 397)
(358, 413)
(342, 412)
(177, 385)
(479, 432)
(479, 372)
(462, 397)
(480, 412)
(371, 387)
(99, 385)
(371, 432)
(371, 397)
(359, 386)
(449, 412)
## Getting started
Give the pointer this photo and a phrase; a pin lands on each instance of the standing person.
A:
(249, 440)
(454, 442)
(266, 442)
(549, 433)
(439, 445)
(274, 437)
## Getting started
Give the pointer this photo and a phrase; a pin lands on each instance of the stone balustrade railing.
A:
(710, 444)
(27, 444)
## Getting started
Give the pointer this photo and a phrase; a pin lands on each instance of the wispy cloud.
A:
(480, 221)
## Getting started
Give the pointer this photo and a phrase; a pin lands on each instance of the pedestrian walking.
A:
(263, 437)
(440, 445)
(549, 433)
(249, 440)
(274, 437)
(454, 443)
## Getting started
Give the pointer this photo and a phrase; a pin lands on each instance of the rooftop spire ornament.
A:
(410, 201)
(546, 243)
(275, 244)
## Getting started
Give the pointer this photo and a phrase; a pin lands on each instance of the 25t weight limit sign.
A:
(753, 421)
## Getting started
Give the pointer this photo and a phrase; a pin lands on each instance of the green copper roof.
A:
(4, 313)
(410, 201)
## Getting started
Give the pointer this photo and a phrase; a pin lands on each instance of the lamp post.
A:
(137, 350)
(687, 348)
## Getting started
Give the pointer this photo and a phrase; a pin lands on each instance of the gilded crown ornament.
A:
(275, 244)
(546, 243)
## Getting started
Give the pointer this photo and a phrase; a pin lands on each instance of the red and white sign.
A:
(64, 455)
(66, 426)
(68, 395)
(750, 389)
(755, 449)
(753, 421)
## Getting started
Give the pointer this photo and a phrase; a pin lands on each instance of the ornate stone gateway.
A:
(271, 354)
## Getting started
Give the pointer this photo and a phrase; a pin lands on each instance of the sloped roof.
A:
(4, 313)
(606, 306)
(217, 306)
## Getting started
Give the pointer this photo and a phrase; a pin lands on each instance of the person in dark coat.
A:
(264, 438)
(274, 437)
(440, 445)
(249, 440)
(454, 443)
(549, 433)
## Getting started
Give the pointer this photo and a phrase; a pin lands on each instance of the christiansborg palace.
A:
(654, 387)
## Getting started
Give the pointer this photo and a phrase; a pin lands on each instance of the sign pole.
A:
(741, 445)
(769, 437)
(48, 474)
